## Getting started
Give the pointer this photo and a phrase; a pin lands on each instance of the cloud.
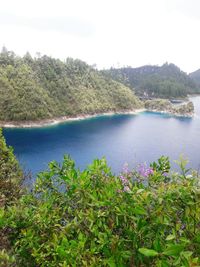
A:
(131, 32)
(189, 8)
(67, 25)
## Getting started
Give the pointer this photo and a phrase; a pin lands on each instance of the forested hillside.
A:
(153, 81)
(195, 76)
(44, 87)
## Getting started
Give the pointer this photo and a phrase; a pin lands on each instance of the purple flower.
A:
(125, 168)
(183, 226)
(149, 171)
(165, 174)
(126, 189)
(144, 171)
(125, 184)
(123, 179)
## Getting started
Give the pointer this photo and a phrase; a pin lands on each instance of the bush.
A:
(144, 217)
(11, 178)
(10, 174)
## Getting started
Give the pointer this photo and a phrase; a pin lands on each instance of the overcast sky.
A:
(105, 32)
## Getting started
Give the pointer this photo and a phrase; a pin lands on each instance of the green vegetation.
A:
(164, 105)
(10, 174)
(41, 88)
(195, 76)
(158, 104)
(11, 178)
(143, 217)
(167, 81)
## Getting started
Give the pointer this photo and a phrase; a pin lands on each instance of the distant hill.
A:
(166, 81)
(44, 87)
(195, 76)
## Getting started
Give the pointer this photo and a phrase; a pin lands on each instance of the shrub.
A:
(144, 217)
(10, 174)
(11, 178)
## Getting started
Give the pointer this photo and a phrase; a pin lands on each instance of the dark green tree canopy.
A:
(153, 81)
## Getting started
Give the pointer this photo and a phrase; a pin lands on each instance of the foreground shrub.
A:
(10, 174)
(144, 217)
(11, 178)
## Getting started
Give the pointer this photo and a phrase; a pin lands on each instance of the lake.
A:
(120, 138)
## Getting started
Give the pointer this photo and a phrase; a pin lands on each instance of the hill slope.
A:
(32, 89)
(195, 76)
(165, 81)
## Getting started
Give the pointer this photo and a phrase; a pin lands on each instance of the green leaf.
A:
(170, 237)
(111, 262)
(140, 191)
(139, 211)
(148, 252)
(173, 250)
(187, 254)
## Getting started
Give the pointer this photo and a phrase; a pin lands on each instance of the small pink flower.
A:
(126, 189)
(144, 170)
(119, 191)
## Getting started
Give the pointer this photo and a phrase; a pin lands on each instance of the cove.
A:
(128, 138)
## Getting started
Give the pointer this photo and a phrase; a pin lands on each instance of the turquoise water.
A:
(120, 138)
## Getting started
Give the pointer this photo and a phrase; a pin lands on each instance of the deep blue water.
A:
(120, 138)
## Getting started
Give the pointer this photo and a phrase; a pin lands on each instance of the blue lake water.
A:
(120, 138)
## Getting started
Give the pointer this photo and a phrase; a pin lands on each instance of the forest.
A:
(195, 76)
(44, 87)
(167, 81)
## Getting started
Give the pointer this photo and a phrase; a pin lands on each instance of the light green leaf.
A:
(170, 237)
(148, 252)
(173, 250)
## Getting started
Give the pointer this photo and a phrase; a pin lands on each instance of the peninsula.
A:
(43, 91)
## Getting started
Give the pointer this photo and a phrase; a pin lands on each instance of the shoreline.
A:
(171, 113)
(55, 121)
(64, 119)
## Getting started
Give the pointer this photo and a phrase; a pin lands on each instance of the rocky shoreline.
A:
(54, 121)
(184, 109)
(167, 112)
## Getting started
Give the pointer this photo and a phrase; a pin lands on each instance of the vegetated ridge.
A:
(44, 87)
(195, 76)
(185, 109)
(167, 81)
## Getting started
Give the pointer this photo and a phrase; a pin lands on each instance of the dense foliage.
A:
(11, 178)
(184, 109)
(44, 87)
(10, 174)
(167, 81)
(143, 217)
(195, 76)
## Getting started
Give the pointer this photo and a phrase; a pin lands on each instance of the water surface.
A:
(120, 138)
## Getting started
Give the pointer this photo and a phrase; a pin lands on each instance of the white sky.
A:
(105, 32)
